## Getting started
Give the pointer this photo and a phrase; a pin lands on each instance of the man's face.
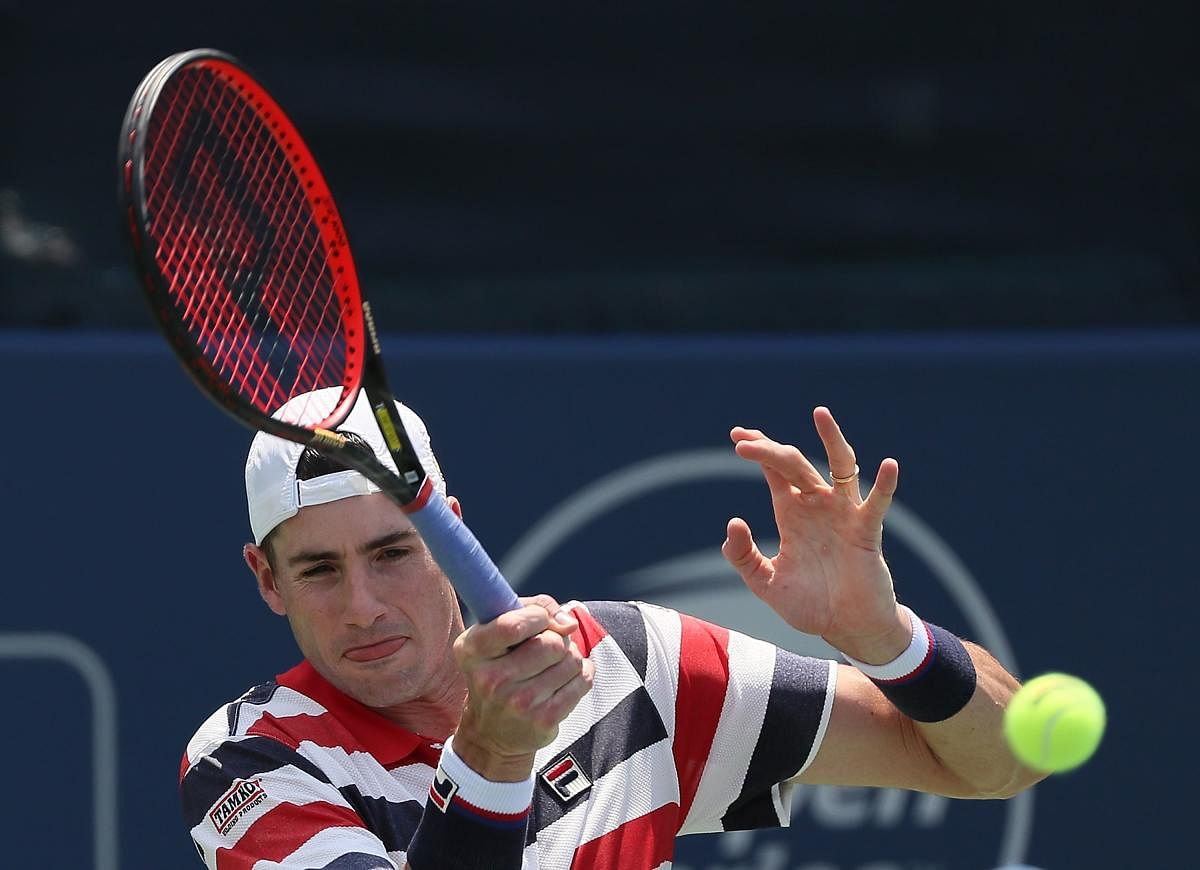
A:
(370, 609)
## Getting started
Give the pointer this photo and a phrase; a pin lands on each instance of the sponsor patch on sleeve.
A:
(242, 797)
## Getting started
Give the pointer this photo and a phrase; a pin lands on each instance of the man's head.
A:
(312, 465)
(368, 606)
(275, 491)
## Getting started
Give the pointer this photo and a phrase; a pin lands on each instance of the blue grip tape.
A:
(458, 552)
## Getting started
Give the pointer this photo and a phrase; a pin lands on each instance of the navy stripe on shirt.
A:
(205, 782)
(358, 861)
(259, 696)
(626, 625)
(789, 728)
(393, 822)
(631, 726)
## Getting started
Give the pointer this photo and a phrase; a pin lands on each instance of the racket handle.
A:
(458, 552)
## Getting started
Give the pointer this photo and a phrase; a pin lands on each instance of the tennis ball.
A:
(1054, 722)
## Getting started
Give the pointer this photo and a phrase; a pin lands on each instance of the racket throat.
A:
(372, 333)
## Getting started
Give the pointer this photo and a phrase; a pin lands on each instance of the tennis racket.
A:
(244, 259)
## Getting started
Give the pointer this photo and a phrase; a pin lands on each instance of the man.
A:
(586, 735)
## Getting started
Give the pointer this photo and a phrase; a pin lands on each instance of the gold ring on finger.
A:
(847, 479)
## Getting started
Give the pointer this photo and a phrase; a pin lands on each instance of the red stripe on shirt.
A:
(323, 730)
(278, 833)
(589, 633)
(703, 680)
(361, 726)
(644, 842)
(328, 729)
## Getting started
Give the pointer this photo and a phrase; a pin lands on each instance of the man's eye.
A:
(316, 571)
(395, 553)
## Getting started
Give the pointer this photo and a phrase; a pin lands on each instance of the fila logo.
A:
(243, 796)
(566, 778)
(442, 790)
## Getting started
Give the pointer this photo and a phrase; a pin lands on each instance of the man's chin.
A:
(370, 695)
(370, 683)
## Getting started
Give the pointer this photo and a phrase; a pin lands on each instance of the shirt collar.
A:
(387, 742)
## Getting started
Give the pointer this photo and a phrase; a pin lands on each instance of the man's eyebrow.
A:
(387, 539)
(399, 536)
(305, 556)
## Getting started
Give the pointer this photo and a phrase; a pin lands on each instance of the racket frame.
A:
(460, 555)
(135, 218)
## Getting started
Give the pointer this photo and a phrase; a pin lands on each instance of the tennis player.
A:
(584, 735)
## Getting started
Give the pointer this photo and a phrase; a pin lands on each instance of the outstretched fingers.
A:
(786, 461)
(880, 497)
(843, 464)
(743, 554)
(787, 469)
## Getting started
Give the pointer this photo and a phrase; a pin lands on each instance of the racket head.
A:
(238, 243)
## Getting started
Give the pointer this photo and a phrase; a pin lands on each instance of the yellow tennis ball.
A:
(1054, 722)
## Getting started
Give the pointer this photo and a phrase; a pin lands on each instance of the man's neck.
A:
(436, 715)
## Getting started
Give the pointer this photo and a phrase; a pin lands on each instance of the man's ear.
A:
(256, 560)
(455, 505)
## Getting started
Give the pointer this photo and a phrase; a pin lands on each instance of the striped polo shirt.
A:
(688, 728)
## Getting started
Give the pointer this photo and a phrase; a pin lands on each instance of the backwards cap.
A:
(273, 494)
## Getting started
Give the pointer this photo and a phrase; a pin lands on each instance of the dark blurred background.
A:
(517, 172)
(659, 167)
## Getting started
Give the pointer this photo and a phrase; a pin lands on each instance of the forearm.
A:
(970, 745)
(951, 696)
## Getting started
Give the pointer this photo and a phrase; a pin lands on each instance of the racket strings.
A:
(238, 240)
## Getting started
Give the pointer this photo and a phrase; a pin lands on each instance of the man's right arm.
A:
(524, 676)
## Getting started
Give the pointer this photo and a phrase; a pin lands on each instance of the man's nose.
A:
(363, 607)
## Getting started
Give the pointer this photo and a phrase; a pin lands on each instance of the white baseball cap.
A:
(274, 494)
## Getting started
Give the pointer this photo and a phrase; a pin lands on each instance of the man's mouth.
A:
(373, 651)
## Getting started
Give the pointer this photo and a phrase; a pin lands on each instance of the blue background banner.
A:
(1046, 508)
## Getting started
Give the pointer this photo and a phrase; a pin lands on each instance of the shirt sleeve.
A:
(254, 802)
(748, 716)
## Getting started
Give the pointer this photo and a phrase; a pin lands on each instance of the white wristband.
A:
(505, 798)
(908, 662)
